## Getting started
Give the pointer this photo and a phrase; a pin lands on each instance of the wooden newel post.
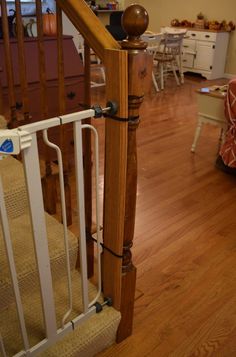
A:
(135, 22)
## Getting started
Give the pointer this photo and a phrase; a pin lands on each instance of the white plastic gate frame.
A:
(24, 140)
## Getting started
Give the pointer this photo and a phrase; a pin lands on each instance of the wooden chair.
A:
(168, 57)
(153, 40)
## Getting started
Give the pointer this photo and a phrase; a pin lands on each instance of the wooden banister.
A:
(126, 70)
(115, 174)
(126, 86)
(88, 24)
(135, 22)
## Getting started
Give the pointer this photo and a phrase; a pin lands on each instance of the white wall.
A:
(161, 12)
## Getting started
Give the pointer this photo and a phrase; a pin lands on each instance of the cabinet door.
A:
(189, 51)
(204, 55)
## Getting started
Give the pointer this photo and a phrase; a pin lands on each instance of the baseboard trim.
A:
(229, 75)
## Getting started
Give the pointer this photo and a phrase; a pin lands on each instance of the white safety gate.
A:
(24, 140)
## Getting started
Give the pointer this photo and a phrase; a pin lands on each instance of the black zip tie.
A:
(88, 236)
(114, 117)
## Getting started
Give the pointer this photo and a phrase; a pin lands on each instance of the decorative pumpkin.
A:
(49, 23)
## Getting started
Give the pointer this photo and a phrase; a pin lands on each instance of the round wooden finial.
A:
(135, 21)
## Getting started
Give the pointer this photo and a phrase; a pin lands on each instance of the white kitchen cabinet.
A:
(205, 52)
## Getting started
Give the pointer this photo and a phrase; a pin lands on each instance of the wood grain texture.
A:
(115, 172)
(21, 59)
(137, 71)
(89, 25)
(9, 66)
(185, 245)
(62, 110)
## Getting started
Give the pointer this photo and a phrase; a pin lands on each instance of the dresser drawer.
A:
(189, 45)
(195, 35)
(202, 35)
(207, 36)
(74, 94)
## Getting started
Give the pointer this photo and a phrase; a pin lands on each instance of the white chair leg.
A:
(196, 135)
(162, 75)
(155, 82)
(175, 74)
(180, 68)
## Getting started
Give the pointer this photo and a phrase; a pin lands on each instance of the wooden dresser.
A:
(74, 81)
(74, 76)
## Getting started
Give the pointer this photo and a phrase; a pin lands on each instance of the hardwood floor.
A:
(185, 241)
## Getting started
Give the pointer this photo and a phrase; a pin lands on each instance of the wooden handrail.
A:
(88, 24)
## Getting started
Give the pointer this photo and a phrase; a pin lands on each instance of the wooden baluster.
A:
(9, 67)
(87, 152)
(1, 95)
(135, 22)
(62, 110)
(48, 181)
(21, 59)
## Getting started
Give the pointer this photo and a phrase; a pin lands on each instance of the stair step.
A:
(23, 247)
(13, 181)
(94, 335)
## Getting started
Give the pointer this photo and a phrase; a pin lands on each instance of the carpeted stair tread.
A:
(23, 247)
(13, 180)
(92, 336)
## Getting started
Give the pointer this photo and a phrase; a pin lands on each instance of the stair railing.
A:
(126, 71)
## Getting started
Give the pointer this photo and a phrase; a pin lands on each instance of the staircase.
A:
(96, 333)
(126, 66)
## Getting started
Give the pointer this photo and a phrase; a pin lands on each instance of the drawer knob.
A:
(19, 105)
(71, 95)
(207, 36)
(193, 34)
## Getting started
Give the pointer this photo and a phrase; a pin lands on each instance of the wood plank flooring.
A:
(185, 236)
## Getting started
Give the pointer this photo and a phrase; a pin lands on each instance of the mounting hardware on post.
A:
(98, 112)
(99, 307)
(111, 109)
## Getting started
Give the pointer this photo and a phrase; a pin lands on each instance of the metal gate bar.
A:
(24, 140)
(12, 267)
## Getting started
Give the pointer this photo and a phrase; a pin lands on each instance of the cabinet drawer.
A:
(187, 60)
(207, 36)
(74, 92)
(189, 45)
(193, 34)
(201, 35)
